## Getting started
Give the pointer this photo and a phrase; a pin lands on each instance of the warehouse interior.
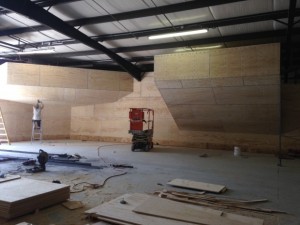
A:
(225, 100)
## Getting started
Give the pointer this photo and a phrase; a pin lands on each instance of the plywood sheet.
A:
(225, 62)
(104, 81)
(261, 60)
(264, 94)
(22, 196)
(63, 78)
(189, 65)
(182, 212)
(24, 188)
(23, 74)
(197, 185)
(123, 212)
(188, 96)
(227, 81)
(126, 82)
(9, 177)
(194, 83)
(118, 213)
(262, 80)
(168, 84)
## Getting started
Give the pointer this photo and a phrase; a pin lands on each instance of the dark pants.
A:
(37, 123)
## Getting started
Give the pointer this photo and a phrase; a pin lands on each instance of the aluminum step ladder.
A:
(36, 133)
(3, 134)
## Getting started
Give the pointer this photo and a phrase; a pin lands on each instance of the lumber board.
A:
(181, 212)
(233, 216)
(9, 177)
(123, 212)
(196, 185)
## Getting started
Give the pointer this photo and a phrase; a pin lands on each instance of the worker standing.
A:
(37, 114)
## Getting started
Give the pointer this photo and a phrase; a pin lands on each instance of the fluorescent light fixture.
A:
(178, 34)
(37, 51)
(198, 48)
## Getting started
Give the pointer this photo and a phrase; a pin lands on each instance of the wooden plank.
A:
(9, 177)
(245, 219)
(196, 185)
(123, 212)
(181, 212)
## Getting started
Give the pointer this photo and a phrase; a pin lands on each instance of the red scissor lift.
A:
(141, 127)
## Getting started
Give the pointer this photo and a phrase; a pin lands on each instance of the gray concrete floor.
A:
(250, 176)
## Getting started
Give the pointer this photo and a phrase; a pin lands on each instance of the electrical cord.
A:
(74, 188)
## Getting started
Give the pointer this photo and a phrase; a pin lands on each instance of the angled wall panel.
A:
(227, 90)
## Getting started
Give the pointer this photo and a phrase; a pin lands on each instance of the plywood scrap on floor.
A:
(215, 202)
(186, 213)
(166, 212)
(71, 204)
(22, 196)
(122, 213)
(196, 185)
(9, 177)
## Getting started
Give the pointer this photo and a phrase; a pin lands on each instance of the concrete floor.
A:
(251, 176)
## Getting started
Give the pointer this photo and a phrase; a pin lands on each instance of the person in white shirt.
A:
(37, 114)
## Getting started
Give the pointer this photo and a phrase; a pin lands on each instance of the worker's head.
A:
(37, 105)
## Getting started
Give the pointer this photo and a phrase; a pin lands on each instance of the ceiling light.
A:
(198, 48)
(37, 51)
(177, 34)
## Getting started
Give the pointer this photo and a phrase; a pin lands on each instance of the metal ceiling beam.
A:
(277, 36)
(43, 3)
(127, 15)
(206, 24)
(35, 12)
(291, 18)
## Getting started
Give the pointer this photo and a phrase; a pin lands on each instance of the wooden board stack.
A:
(141, 209)
(22, 196)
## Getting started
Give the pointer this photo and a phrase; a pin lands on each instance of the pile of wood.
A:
(22, 196)
(215, 202)
(141, 209)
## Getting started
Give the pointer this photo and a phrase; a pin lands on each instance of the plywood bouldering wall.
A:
(233, 90)
(61, 85)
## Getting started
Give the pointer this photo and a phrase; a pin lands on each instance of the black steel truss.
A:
(206, 24)
(126, 15)
(27, 8)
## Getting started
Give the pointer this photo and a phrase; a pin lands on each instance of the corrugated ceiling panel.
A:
(246, 28)
(241, 8)
(190, 16)
(75, 10)
(54, 34)
(13, 20)
(117, 6)
(283, 4)
(163, 2)
(79, 47)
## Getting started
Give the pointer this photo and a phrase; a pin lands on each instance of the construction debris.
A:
(214, 202)
(145, 209)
